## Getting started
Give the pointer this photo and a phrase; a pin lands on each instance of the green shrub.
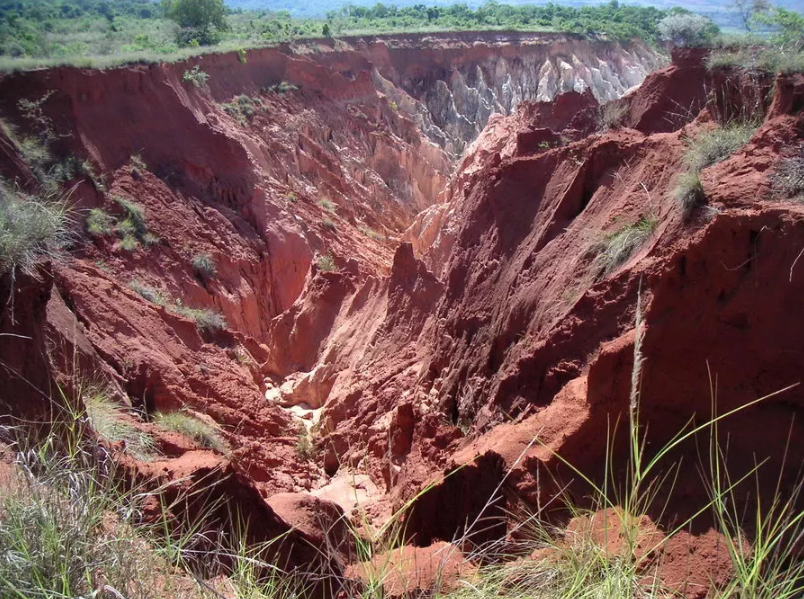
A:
(327, 205)
(242, 108)
(200, 432)
(617, 247)
(32, 228)
(329, 225)
(196, 76)
(718, 144)
(99, 223)
(326, 264)
(787, 179)
(204, 265)
(205, 319)
(689, 192)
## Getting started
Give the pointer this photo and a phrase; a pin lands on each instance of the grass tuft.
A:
(769, 60)
(205, 319)
(327, 205)
(32, 229)
(326, 264)
(305, 450)
(204, 266)
(134, 222)
(689, 192)
(617, 247)
(108, 420)
(718, 144)
(200, 432)
(787, 179)
(153, 295)
(99, 223)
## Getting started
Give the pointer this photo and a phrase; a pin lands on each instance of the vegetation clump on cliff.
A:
(32, 228)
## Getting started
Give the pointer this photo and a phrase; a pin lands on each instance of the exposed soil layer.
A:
(395, 314)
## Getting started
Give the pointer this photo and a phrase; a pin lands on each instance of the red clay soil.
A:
(494, 323)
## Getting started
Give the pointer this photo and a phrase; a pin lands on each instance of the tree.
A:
(687, 29)
(747, 9)
(325, 31)
(787, 26)
(196, 14)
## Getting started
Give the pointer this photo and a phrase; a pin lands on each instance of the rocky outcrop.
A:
(454, 87)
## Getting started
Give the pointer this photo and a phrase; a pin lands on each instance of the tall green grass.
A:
(73, 524)
(580, 563)
(33, 228)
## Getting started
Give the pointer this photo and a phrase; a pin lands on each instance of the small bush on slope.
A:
(205, 319)
(196, 76)
(326, 264)
(155, 296)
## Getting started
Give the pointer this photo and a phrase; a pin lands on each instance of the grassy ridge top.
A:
(37, 33)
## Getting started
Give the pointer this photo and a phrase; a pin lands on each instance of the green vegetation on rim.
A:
(774, 43)
(99, 33)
